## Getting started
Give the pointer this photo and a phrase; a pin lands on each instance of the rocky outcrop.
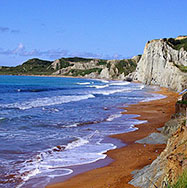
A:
(181, 105)
(168, 166)
(181, 37)
(160, 65)
(172, 161)
(96, 68)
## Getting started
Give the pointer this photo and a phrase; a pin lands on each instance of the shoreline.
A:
(63, 76)
(116, 173)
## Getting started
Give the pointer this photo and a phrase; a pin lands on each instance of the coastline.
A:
(133, 156)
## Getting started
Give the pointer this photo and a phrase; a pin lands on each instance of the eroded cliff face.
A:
(168, 166)
(160, 65)
(96, 68)
(171, 163)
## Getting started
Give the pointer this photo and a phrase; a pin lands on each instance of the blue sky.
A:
(50, 29)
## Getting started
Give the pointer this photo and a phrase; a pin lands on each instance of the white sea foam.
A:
(104, 81)
(139, 122)
(83, 83)
(76, 143)
(109, 92)
(99, 86)
(154, 96)
(47, 101)
(143, 86)
(119, 83)
(70, 126)
(48, 161)
(118, 90)
(51, 109)
(53, 162)
(113, 116)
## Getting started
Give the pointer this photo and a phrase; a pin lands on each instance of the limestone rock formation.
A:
(105, 74)
(160, 65)
(95, 68)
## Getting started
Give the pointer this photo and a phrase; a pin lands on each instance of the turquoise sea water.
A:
(48, 124)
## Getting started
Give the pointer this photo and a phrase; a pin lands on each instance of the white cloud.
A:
(7, 29)
(20, 50)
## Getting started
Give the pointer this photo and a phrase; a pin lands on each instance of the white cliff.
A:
(160, 65)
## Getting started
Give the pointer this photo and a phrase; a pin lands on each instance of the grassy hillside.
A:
(77, 59)
(126, 66)
(177, 44)
(33, 66)
(71, 67)
(181, 68)
(79, 72)
(181, 182)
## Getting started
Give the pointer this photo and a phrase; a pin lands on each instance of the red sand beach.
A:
(133, 156)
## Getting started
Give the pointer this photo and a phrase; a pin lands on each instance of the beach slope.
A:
(134, 155)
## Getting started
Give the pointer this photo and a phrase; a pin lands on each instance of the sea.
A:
(50, 124)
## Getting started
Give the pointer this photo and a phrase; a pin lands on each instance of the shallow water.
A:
(47, 123)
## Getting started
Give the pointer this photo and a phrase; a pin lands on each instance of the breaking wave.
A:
(83, 83)
(47, 101)
(99, 86)
(155, 96)
(113, 116)
(119, 83)
(77, 152)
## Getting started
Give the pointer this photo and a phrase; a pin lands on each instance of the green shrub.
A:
(177, 44)
(80, 72)
(181, 182)
(64, 64)
(182, 68)
(32, 66)
(108, 65)
(77, 59)
(126, 66)
(102, 62)
(181, 102)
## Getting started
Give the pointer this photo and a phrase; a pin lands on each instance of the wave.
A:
(154, 97)
(141, 87)
(109, 92)
(78, 124)
(51, 173)
(47, 101)
(83, 83)
(104, 81)
(51, 109)
(70, 126)
(99, 86)
(38, 89)
(119, 83)
(112, 91)
(34, 90)
(39, 165)
(113, 116)
(77, 143)
(53, 162)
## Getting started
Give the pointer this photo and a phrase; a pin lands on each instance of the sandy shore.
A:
(133, 156)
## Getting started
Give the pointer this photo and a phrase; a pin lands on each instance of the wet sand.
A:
(133, 156)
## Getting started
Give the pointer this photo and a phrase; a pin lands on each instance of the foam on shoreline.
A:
(137, 134)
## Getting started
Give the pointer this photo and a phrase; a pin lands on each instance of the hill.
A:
(163, 63)
(75, 67)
